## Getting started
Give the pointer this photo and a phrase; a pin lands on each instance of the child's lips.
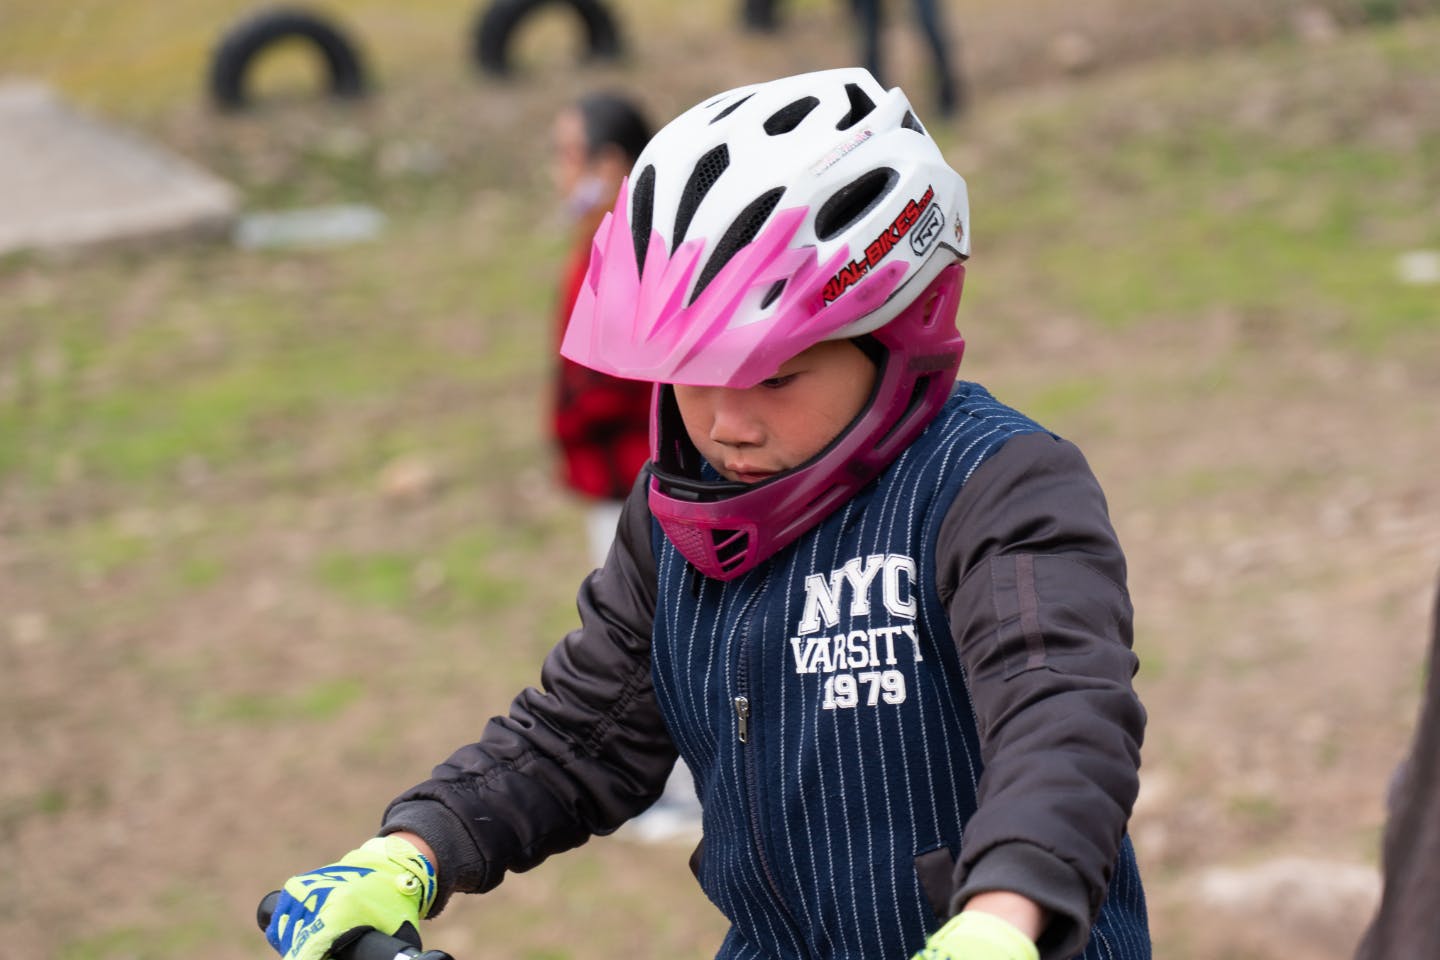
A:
(745, 473)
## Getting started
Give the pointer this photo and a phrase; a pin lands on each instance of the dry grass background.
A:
(277, 531)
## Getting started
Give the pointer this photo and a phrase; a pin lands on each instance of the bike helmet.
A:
(753, 226)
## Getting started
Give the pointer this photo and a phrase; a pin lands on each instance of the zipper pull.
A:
(742, 710)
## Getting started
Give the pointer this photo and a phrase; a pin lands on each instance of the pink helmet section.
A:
(641, 328)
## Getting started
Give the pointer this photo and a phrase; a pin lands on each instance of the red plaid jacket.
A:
(600, 423)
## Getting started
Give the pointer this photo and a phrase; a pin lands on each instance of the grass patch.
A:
(1259, 811)
(1293, 216)
(194, 924)
(104, 548)
(182, 938)
(144, 407)
(320, 702)
(471, 576)
(48, 802)
(197, 572)
(171, 550)
(141, 370)
(385, 579)
(1062, 401)
(1265, 257)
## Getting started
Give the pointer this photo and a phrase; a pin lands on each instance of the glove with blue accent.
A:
(975, 935)
(386, 885)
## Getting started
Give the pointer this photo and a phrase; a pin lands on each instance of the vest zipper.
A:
(742, 711)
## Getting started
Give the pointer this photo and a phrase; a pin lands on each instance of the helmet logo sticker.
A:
(836, 153)
(924, 234)
(879, 248)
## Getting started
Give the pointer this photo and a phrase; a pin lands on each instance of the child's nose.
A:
(734, 423)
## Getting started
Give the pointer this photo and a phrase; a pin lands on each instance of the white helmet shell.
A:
(842, 203)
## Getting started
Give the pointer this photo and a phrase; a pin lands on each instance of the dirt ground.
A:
(1274, 489)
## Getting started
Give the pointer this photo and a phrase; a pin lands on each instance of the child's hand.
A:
(385, 884)
(975, 935)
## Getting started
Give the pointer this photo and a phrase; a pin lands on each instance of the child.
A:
(881, 616)
(949, 95)
(600, 424)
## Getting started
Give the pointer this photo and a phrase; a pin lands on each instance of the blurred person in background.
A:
(601, 424)
(1407, 924)
(949, 94)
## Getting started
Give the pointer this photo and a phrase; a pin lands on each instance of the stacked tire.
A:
(500, 22)
(245, 41)
(495, 30)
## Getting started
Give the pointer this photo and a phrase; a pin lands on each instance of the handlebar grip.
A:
(371, 945)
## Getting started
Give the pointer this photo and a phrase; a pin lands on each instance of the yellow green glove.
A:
(975, 935)
(384, 885)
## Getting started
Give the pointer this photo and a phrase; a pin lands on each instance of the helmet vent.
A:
(642, 215)
(860, 107)
(730, 546)
(912, 122)
(707, 170)
(788, 118)
(773, 294)
(745, 228)
(730, 109)
(853, 201)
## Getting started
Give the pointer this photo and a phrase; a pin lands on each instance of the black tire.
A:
(498, 22)
(248, 38)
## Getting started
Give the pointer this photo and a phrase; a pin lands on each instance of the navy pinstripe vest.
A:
(821, 705)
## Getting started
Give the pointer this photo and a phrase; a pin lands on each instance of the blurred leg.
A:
(948, 95)
(867, 18)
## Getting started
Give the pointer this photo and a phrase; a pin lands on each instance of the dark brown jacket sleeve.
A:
(1407, 924)
(578, 756)
(1034, 579)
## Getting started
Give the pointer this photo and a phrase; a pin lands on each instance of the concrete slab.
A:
(68, 181)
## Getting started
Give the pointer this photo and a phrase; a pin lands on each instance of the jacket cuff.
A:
(1032, 872)
(436, 825)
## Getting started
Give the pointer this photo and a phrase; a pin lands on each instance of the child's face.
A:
(569, 151)
(750, 434)
(586, 176)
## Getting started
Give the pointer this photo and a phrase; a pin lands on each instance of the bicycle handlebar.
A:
(372, 945)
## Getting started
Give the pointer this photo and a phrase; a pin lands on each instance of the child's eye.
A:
(775, 383)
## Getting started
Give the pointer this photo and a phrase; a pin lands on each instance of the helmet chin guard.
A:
(725, 528)
(754, 226)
